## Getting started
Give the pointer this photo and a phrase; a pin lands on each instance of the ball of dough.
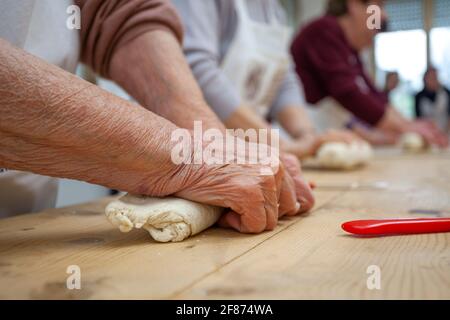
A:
(365, 152)
(413, 142)
(339, 155)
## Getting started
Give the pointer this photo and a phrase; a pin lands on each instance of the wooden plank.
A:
(398, 153)
(314, 258)
(36, 249)
(307, 257)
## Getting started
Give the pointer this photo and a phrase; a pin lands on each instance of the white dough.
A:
(166, 219)
(413, 142)
(339, 155)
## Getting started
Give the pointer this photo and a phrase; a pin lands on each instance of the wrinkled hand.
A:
(302, 188)
(255, 199)
(430, 132)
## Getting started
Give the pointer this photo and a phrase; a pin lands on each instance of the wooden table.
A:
(306, 257)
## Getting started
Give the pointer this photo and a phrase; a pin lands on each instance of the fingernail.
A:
(297, 206)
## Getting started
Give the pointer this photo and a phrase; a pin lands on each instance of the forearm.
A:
(295, 121)
(153, 70)
(393, 121)
(302, 148)
(245, 118)
(373, 135)
(56, 124)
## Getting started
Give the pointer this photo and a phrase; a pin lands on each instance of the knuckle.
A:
(271, 226)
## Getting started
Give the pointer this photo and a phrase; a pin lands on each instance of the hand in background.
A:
(430, 132)
(308, 145)
(302, 188)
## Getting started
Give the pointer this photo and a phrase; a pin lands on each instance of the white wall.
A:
(310, 9)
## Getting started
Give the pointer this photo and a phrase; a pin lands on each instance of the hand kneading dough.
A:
(166, 219)
(339, 155)
(413, 142)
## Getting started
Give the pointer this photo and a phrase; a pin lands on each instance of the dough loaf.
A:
(413, 142)
(166, 219)
(339, 155)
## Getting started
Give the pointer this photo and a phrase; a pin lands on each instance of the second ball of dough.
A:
(339, 155)
(413, 142)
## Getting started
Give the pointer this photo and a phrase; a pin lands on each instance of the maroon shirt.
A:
(329, 66)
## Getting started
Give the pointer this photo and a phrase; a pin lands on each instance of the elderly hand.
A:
(302, 188)
(255, 194)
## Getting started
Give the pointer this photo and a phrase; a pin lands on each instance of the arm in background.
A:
(137, 44)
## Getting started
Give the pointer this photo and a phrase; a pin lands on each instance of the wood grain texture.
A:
(36, 249)
(313, 258)
(305, 257)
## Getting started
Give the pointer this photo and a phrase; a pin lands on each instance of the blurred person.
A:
(326, 53)
(433, 102)
(371, 134)
(238, 51)
(391, 82)
(54, 124)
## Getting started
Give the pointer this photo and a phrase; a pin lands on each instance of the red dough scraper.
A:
(397, 226)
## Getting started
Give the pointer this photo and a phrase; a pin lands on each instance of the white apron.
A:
(328, 114)
(437, 111)
(257, 59)
(39, 27)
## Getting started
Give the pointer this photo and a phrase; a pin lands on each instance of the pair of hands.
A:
(425, 128)
(254, 201)
(430, 132)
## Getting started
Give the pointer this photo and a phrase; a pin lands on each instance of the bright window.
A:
(440, 52)
(404, 52)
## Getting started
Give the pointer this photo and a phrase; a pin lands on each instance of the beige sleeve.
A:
(106, 25)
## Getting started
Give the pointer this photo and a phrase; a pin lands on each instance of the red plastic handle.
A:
(397, 226)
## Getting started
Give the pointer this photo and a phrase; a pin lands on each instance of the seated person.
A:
(433, 102)
(326, 53)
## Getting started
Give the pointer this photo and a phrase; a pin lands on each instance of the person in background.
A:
(326, 54)
(371, 134)
(391, 82)
(238, 51)
(54, 124)
(433, 102)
